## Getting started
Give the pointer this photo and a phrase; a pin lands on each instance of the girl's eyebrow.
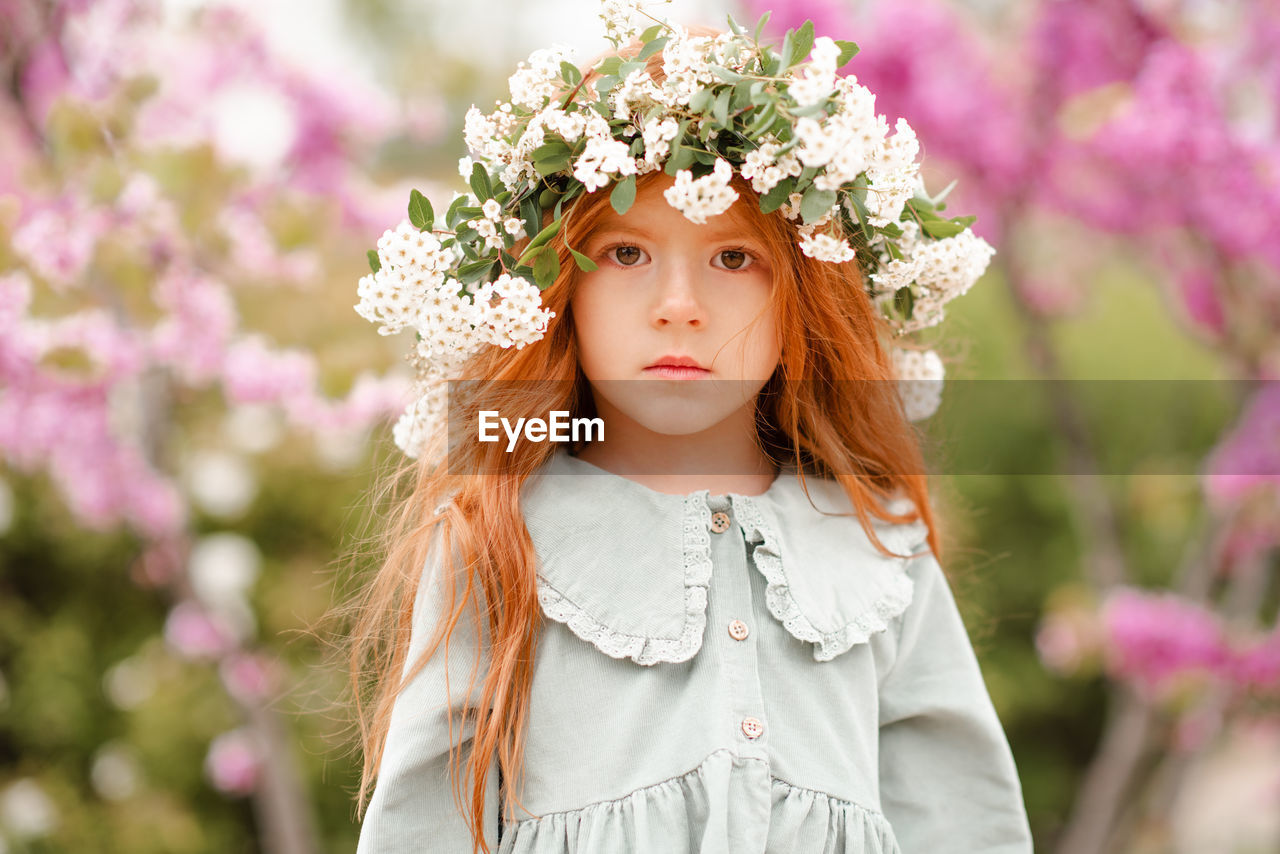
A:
(620, 228)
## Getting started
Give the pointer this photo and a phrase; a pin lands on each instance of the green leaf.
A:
(682, 159)
(903, 301)
(788, 51)
(651, 33)
(453, 216)
(546, 267)
(480, 183)
(623, 195)
(374, 264)
(467, 235)
(553, 164)
(531, 215)
(741, 96)
(420, 213)
(721, 109)
(733, 25)
(609, 65)
(764, 117)
(773, 199)
(628, 67)
(475, 271)
(651, 48)
(604, 84)
(726, 75)
(584, 263)
(803, 42)
(848, 50)
(760, 25)
(540, 239)
(816, 203)
(701, 100)
(569, 73)
(940, 228)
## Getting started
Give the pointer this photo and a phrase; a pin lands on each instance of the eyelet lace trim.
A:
(641, 648)
(782, 604)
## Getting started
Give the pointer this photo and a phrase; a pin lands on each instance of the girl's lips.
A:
(672, 372)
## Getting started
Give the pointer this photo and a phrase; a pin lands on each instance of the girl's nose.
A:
(677, 300)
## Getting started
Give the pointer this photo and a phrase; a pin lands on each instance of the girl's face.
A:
(670, 290)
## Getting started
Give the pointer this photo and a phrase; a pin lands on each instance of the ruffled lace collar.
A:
(628, 569)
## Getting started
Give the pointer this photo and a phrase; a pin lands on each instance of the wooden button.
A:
(737, 629)
(752, 728)
(719, 522)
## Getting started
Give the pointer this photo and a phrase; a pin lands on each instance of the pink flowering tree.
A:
(1084, 135)
(182, 213)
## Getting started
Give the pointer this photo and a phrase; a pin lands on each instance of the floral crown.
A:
(808, 140)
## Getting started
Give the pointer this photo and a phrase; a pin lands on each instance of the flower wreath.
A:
(808, 140)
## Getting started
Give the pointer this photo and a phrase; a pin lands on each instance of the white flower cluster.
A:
(492, 226)
(604, 156)
(535, 83)
(819, 79)
(412, 265)
(920, 375)
(619, 17)
(703, 197)
(765, 169)
(720, 95)
(657, 136)
(936, 271)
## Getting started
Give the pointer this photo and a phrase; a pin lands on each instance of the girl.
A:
(722, 626)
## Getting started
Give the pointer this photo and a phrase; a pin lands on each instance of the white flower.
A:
(532, 86)
(920, 375)
(515, 227)
(684, 62)
(422, 420)
(766, 170)
(465, 167)
(657, 136)
(635, 93)
(491, 209)
(819, 79)
(824, 247)
(619, 19)
(517, 318)
(603, 156)
(707, 196)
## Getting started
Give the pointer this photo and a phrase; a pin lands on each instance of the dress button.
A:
(752, 727)
(737, 629)
(719, 522)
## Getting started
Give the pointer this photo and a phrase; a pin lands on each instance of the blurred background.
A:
(192, 414)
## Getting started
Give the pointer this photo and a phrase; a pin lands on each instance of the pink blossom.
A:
(1248, 458)
(249, 677)
(1200, 299)
(234, 762)
(56, 241)
(1154, 638)
(1258, 664)
(252, 373)
(196, 633)
(193, 337)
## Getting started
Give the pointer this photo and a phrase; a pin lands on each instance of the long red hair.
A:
(810, 414)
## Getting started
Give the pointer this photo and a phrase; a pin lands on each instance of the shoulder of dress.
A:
(826, 581)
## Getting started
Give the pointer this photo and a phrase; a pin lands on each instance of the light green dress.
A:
(758, 681)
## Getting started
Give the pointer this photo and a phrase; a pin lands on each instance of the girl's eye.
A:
(625, 256)
(734, 259)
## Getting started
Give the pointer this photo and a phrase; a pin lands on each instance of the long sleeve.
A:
(948, 782)
(413, 807)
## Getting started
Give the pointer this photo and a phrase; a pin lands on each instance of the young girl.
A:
(722, 625)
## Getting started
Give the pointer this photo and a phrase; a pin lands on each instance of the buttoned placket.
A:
(729, 617)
